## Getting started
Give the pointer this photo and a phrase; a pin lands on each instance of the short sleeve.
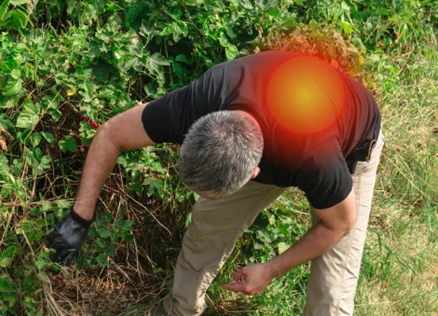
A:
(325, 182)
(169, 118)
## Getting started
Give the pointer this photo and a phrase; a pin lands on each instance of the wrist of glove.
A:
(68, 237)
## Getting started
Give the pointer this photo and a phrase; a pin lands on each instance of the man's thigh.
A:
(209, 240)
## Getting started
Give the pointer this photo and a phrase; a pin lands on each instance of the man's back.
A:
(315, 161)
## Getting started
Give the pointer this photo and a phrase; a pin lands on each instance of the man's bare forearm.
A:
(124, 131)
(335, 222)
(317, 241)
(101, 158)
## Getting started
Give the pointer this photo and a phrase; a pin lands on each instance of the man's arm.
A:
(336, 222)
(124, 131)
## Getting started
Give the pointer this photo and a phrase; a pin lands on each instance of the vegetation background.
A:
(67, 66)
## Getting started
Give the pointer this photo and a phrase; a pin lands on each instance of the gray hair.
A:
(220, 153)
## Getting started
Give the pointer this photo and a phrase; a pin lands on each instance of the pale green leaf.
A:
(104, 232)
(13, 86)
(35, 139)
(4, 168)
(68, 144)
(27, 120)
(40, 263)
(8, 102)
(182, 58)
(3, 9)
(282, 247)
(125, 225)
(16, 19)
(17, 2)
(48, 136)
(155, 61)
(15, 73)
(231, 52)
(6, 285)
(42, 276)
(102, 261)
(7, 256)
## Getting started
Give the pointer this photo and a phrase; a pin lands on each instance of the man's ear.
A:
(255, 173)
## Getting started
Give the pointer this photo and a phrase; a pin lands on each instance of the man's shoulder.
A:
(263, 56)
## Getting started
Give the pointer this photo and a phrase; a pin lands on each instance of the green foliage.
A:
(68, 66)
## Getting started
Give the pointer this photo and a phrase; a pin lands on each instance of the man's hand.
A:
(68, 237)
(251, 280)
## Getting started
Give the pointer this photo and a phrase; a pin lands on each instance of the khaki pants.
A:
(217, 224)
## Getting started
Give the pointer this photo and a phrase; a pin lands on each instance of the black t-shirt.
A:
(313, 160)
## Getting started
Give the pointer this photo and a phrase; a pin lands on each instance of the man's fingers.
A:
(237, 275)
(52, 236)
(70, 258)
(64, 256)
(238, 286)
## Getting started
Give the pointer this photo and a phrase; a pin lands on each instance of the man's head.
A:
(220, 153)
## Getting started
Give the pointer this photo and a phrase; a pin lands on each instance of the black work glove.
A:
(68, 237)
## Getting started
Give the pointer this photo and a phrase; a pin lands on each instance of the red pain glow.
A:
(305, 95)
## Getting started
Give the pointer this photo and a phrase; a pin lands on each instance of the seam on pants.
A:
(239, 227)
(352, 233)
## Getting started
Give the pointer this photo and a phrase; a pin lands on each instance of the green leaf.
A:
(177, 70)
(68, 144)
(231, 52)
(35, 139)
(42, 276)
(16, 19)
(15, 73)
(63, 204)
(48, 136)
(104, 232)
(3, 9)
(8, 102)
(25, 227)
(3, 165)
(13, 86)
(40, 263)
(7, 256)
(179, 30)
(230, 32)
(282, 247)
(274, 11)
(188, 220)
(133, 11)
(102, 261)
(55, 114)
(18, 2)
(182, 58)
(29, 117)
(6, 285)
(45, 162)
(126, 225)
(155, 61)
(35, 234)
(27, 120)
(223, 40)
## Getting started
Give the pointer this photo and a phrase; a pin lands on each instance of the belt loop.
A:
(370, 149)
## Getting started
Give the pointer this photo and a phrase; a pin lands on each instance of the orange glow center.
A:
(305, 95)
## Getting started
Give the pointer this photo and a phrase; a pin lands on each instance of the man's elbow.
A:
(107, 133)
(342, 227)
(347, 226)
